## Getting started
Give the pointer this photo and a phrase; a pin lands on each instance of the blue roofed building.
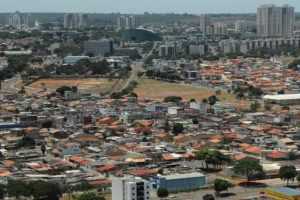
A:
(178, 182)
(283, 193)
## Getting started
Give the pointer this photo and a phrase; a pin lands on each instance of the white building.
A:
(197, 49)
(29, 21)
(204, 23)
(240, 25)
(81, 20)
(130, 188)
(167, 50)
(129, 22)
(68, 21)
(275, 21)
(202, 107)
(14, 20)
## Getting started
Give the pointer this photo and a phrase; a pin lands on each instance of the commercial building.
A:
(130, 188)
(178, 182)
(125, 51)
(273, 21)
(99, 48)
(197, 49)
(283, 193)
(73, 59)
(283, 99)
(68, 20)
(141, 35)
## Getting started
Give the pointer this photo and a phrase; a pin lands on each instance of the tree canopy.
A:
(248, 169)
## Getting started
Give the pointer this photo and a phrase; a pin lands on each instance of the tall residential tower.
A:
(273, 21)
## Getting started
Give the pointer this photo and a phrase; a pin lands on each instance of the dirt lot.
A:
(82, 84)
(158, 90)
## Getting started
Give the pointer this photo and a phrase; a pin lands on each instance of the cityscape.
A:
(151, 106)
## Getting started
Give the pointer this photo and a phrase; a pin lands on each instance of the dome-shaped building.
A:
(140, 35)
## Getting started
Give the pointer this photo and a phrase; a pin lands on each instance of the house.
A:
(277, 155)
(287, 143)
(175, 111)
(68, 149)
(178, 182)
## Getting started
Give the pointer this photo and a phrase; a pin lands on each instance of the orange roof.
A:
(188, 155)
(237, 156)
(8, 163)
(102, 182)
(107, 168)
(276, 154)
(169, 157)
(255, 150)
(143, 172)
(85, 139)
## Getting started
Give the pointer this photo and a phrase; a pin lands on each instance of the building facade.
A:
(273, 21)
(130, 188)
(178, 182)
(68, 21)
(99, 48)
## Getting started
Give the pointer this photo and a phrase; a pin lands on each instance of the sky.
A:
(140, 6)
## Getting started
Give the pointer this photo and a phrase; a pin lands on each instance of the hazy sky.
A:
(140, 6)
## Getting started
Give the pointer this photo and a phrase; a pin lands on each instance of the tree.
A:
(162, 192)
(173, 99)
(208, 197)
(47, 124)
(160, 171)
(285, 107)
(195, 121)
(17, 189)
(287, 173)
(166, 126)
(255, 106)
(298, 178)
(248, 169)
(26, 142)
(2, 191)
(292, 155)
(218, 92)
(212, 100)
(177, 128)
(43, 149)
(221, 185)
(45, 190)
(204, 100)
(267, 106)
(90, 196)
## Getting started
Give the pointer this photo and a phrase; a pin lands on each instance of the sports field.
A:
(158, 90)
(82, 84)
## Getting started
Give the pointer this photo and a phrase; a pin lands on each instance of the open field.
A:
(82, 84)
(107, 196)
(158, 90)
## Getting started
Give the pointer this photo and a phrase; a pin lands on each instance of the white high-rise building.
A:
(240, 25)
(204, 23)
(68, 20)
(14, 20)
(273, 21)
(130, 188)
(81, 20)
(129, 22)
(29, 21)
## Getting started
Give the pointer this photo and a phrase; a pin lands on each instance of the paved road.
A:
(7, 85)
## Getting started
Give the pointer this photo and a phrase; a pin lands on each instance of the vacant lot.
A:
(158, 90)
(82, 84)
